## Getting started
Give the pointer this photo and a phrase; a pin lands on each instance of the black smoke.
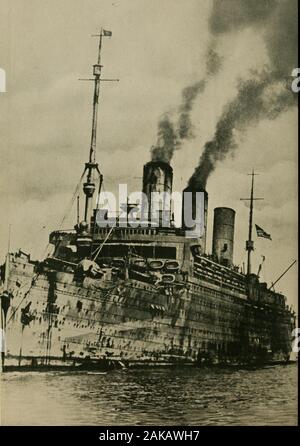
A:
(263, 95)
(189, 95)
(167, 140)
(233, 15)
(170, 135)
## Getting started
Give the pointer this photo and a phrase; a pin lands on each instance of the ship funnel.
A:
(202, 212)
(158, 177)
(223, 235)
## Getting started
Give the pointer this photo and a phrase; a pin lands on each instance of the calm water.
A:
(266, 396)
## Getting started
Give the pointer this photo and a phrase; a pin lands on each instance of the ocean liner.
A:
(120, 296)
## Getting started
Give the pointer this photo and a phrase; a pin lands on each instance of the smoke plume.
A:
(214, 61)
(264, 95)
(233, 15)
(167, 141)
(189, 95)
(169, 135)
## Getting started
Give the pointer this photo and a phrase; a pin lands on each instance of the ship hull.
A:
(55, 321)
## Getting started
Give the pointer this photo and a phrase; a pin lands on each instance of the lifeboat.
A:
(156, 264)
(171, 265)
(137, 275)
(139, 264)
(167, 278)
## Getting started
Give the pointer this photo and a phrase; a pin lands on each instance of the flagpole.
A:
(100, 46)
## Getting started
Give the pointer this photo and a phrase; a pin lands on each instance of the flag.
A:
(107, 33)
(261, 233)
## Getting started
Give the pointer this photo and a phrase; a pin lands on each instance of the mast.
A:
(89, 185)
(250, 242)
(91, 165)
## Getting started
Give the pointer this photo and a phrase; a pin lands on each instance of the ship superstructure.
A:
(123, 295)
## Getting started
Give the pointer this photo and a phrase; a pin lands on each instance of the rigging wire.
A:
(68, 209)
(97, 208)
(109, 233)
(72, 200)
(45, 252)
(105, 240)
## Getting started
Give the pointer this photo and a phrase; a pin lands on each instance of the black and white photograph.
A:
(149, 215)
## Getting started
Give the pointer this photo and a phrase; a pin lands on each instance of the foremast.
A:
(91, 165)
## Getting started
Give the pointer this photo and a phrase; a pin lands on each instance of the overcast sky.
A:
(158, 47)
